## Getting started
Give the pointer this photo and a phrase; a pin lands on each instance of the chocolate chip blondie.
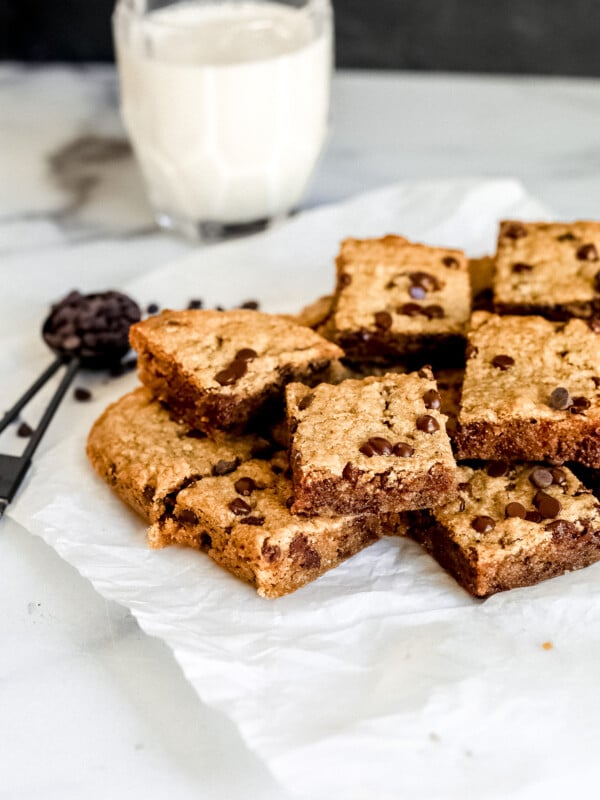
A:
(147, 457)
(376, 445)
(552, 269)
(531, 391)
(512, 525)
(217, 369)
(396, 298)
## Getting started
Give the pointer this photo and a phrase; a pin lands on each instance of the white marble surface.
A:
(91, 706)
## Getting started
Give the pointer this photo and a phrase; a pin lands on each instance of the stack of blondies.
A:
(282, 446)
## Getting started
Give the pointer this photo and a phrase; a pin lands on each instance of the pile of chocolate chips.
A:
(91, 327)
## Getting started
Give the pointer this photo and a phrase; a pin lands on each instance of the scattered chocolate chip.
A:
(580, 404)
(195, 304)
(219, 308)
(562, 529)
(224, 467)
(305, 555)
(520, 266)
(450, 262)
(350, 473)
(596, 282)
(559, 476)
(383, 320)
(231, 374)
(152, 308)
(187, 517)
(376, 446)
(252, 521)
(403, 450)
(246, 354)
(426, 281)
(566, 237)
(514, 230)
(515, 510)
(24, 430)
(409, 310)
(345, 279)
(483, 524)
(466, 488)
(587, 252)
(289, 502)
(305, 401)
(541, 478)
(239, 507)
(194, 433)
(205, 540)
(427, 424)
(497, 469)
(82, 395)
(250, 305)
(560, 399)
(533, 516)
(432, 399)
(470, 351)
(417, 292)
(433, 312)
(244, 486)
(547, 505)
(270, 552)
(503, 362)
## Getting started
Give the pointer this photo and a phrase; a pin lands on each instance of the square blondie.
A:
(531, 391)
(373, 445)
(397, 298)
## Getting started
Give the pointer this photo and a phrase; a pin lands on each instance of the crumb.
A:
(547, 645)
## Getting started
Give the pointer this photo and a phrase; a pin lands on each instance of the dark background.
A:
(556, 37)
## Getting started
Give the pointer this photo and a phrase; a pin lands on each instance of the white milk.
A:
(226, 105)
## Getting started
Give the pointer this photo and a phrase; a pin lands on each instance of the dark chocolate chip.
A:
(483, 524)
(587, 252)
(533, 516)
(246, 354)
(503, 362)
(514, 230)
(541, 478)
(466, 488)
(417, 292)
(244, 486)
(345, 279)
(409, 310)
(559, 476)
(250, 305)
(562, 529)
(560, 399)
(24, 430)
(152, 308)
(450, 262)
(252, 521)
(496, 469)
(515, 510)
(426, 281)
(433, 312)
(470, 351)
(383, 320)
(82, 395)
(427, 424)
(289, 502)
(224, 467)
(376, 446)
(231, 374)
(301, 552)
(403, 450)
(566, 237)
(580, 404)
(205, 540)
(187, 517)
(239, 507)
(195, 304)
(426, 372)
(270, 552)
(547, 505)
(305, 401)
(520, 266)
(432, 399)
(194, 433)
(350, 473)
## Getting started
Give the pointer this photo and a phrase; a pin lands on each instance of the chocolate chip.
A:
(587, 252)
(483, 524)
(433, 312)
(194, 433)
(205, 540)
(270, 552)
(239, 507)
(224, 467)
(533, 516)
(566, 237)
(301, 552)
(520, 266)
(149, 492)
(305, 401)
(289, 502)
(450, 262)
(426, 372)
(345, 279)
(541, 478)
(246, 354)
(24, 430)
(466, 488)
(251, 305)
(562, 529)
(515, 510)
(426, 281)
(82, 395)
(580, 404)
(470, 351)
(432, 399)
(496, 469)
(350, 473)
(427, 424)
(547, 505)
(152, 308)
(244, 486)
(417, 292)
(376, 446)
(514, 230)
(195, 304)
(503, 362)
(252, 521)
(383, 320)
(560, 399)
(559, 476)
(231, 374)
(403, 450)
(187, 517)
(409, 310)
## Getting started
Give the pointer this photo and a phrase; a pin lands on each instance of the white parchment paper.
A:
(383, 679)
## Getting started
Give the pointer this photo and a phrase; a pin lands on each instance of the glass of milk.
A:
(226, 104)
